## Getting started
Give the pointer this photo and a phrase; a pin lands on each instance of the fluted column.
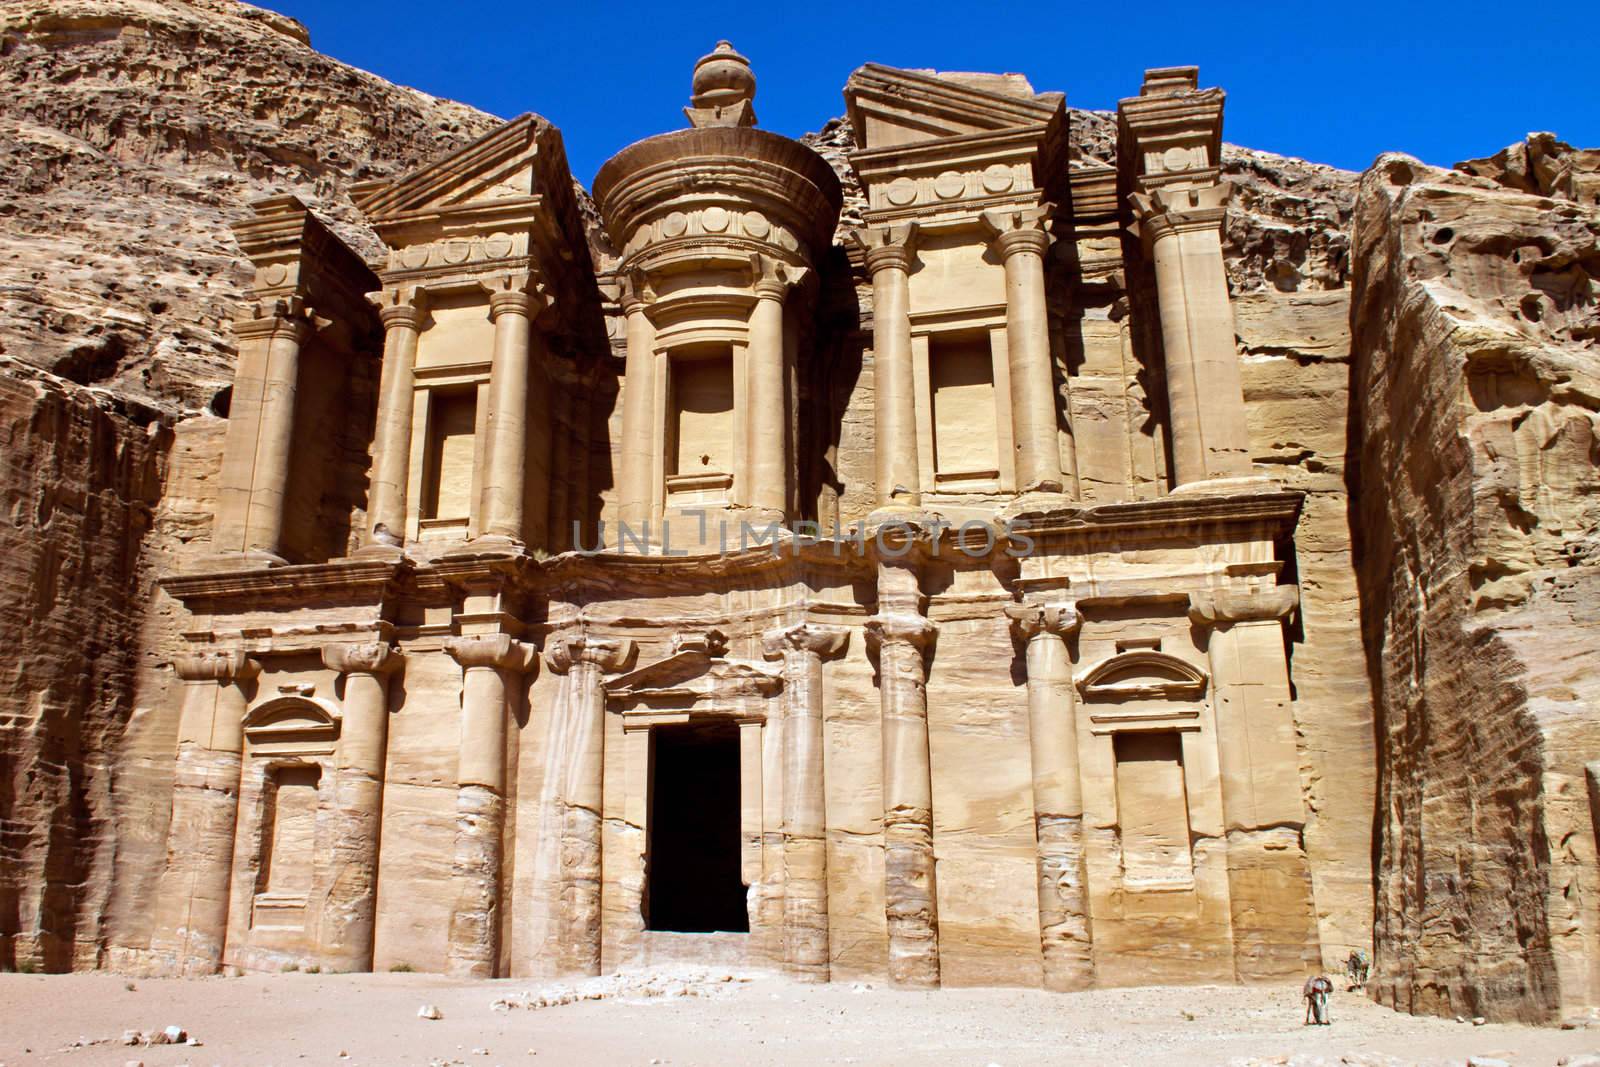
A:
(349, 912)
(1263, 807)
(1057, 793)
(260, 447)
(191, 919)
(401, 311)
(492, 667)
(579, 732)
(638, 409)
(1182, 231)
(902, 636)
(1020, 240)
(513, 299)
(802, 648)
(890, 252)
(769, 417)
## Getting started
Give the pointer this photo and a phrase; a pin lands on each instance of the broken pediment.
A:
(522, 159)
(694, 674)
(1143, 674)
(889, 106)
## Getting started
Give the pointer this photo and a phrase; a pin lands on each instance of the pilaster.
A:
(191, 923)
(1064, 931)
(578, 734)
(802, 648)
(1269, 877)
(492, 667)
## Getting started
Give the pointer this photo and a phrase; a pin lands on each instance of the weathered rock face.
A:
(134, 131)
(1474, 395)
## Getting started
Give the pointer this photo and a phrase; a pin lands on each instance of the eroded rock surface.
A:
(1475, 392)
(135, 131)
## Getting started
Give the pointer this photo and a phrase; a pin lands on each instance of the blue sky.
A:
(1332, 82)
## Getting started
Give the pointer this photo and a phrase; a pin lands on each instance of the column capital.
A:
(221, 665)
(1176, 209)
(1224, 607)
(275, 316)
(400, 306)
(369, 657)
(915, 630)
(1015, 230)
(887, 247)
(805, 637)
(634, 291)
(773, 278)
(609, 654)
(517, 293)
(1031, 620)
(500, 651)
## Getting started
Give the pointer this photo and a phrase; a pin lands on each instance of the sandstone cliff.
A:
(1474, 400)
(135, 131)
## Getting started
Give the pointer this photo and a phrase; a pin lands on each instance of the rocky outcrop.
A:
(1474, 399)
(135, 131)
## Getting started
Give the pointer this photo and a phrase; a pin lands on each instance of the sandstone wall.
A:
(1473, 401)
(135, 131)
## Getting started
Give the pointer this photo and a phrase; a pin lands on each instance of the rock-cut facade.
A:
(696, 575)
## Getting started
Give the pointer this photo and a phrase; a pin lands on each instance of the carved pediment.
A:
(522, 159)
(691, 678)
(889, 106)
(1143, 674)
(292, 724)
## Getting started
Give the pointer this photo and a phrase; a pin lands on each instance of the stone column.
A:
(1057, 793)
(349, 912)
(492, 666)
(579, 732)
(260, 447)
(1269, 877)
(1182, 231)
(805, 845)
(512, 300)
(890, 252)
(401, 311)
(769, 413)
(638, 409)
(191, 921)
(902, 635)
(1019, 239)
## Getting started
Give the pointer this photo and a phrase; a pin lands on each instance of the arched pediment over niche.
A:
(292, 725)
(1144, 674)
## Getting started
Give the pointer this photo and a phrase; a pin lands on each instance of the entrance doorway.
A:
(694, 883)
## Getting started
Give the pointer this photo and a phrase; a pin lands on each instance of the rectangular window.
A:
(447, 472)
(966, 439)
(1152, 809)
(700, 421)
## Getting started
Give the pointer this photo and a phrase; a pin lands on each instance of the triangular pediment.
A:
(889, 106)
(521, 159)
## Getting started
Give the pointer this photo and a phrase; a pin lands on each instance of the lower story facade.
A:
(1062, 759)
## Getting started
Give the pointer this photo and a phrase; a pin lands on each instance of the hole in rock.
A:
(694, 883)
(221, 402)
(1443, 236)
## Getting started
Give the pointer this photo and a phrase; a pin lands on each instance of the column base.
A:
(392, 553)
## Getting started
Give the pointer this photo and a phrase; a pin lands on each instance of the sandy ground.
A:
(689, 1017)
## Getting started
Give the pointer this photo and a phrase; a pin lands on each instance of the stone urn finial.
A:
(723, 90)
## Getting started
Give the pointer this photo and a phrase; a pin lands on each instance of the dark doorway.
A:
(694, 879)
